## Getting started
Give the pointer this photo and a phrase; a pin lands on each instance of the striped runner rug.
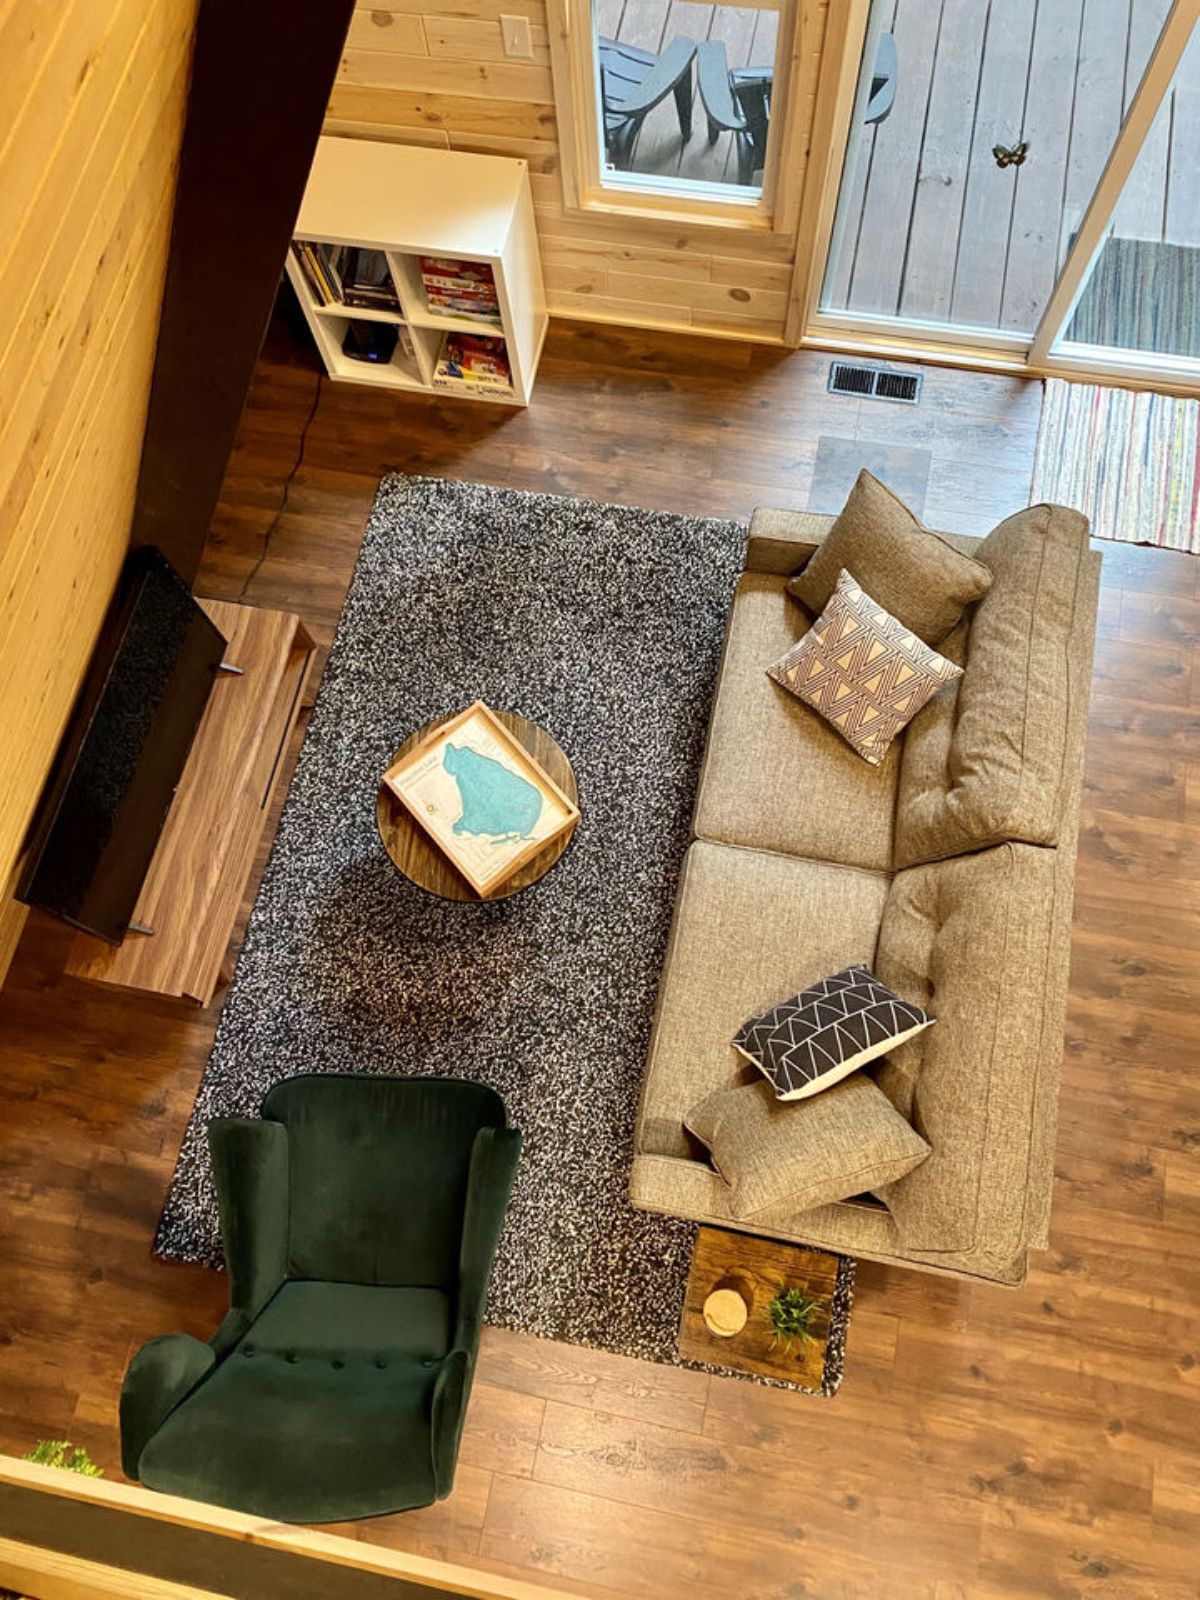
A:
(1129, 459)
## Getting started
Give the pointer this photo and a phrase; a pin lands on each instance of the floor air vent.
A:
(874, 383)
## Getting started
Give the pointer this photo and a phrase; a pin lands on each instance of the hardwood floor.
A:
(1036, 1445)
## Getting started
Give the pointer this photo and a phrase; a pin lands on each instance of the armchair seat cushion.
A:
(348, 1320)
(322, 1412)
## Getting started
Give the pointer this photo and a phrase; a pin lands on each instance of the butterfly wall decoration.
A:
(1014, 157)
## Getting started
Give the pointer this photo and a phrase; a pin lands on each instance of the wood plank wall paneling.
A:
(435, 72)
(94, 94)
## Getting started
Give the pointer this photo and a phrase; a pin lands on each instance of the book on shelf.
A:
(464, 297)
(463, 291)
(322, 266)
(367, 281)
(473, 361)
(460, 288)
(347, 276)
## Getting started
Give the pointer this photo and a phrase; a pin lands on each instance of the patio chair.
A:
(884, 76)
(632, 83)
(360, 1216)
(737, 102)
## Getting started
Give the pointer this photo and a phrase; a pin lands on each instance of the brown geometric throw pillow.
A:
(863, 670)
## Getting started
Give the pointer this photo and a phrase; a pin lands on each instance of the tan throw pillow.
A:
(863, 670)
(780, 1156)
(913, 573)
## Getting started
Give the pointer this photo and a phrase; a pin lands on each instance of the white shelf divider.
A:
(362, 314)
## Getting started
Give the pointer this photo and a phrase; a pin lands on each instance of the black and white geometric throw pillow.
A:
(818, 1037)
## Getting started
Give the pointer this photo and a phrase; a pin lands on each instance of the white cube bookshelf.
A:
(410, 201)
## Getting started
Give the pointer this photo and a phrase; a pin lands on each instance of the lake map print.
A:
(495, 800)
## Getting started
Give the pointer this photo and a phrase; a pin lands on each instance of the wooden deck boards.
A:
(930, 228)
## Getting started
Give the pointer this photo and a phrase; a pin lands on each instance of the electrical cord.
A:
(284, 498)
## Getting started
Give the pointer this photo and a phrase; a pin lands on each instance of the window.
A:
(976, 138)
(1138, 299)
(672, 108)
(1019, 181)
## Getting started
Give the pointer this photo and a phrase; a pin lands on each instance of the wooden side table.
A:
(416, 855)
(757, 1270)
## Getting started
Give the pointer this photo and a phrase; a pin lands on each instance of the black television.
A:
(123, 753)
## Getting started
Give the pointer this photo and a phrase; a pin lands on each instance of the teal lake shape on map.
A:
(495, 801)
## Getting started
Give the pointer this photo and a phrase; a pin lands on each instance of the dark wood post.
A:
(262, 73)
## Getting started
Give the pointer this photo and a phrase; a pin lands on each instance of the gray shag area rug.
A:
(604, 624)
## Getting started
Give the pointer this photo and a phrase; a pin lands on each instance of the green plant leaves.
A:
(62, 1453)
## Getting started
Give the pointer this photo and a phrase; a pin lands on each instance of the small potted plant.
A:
(789, 1314)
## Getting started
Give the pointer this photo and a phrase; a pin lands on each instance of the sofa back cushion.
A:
(973, 942)
(994, 758)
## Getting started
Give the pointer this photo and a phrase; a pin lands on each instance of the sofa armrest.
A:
(781, 542)
(160, 1377)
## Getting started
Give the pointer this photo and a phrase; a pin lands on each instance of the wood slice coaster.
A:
(417, 856)
(730, 1266)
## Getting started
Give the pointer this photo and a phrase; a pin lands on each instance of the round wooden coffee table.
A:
(419, 859)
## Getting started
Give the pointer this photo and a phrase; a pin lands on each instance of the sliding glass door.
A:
(1022, 178)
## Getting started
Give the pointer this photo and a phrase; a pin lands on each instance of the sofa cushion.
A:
(912, 572)
(863, 670)
(749, 926)
(846, 1141)
(776, 775)
(992, 759)
(808, 1043)
(973, 940)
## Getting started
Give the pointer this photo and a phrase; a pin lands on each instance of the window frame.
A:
(575, 71)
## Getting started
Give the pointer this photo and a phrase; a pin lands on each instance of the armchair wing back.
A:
(360, 1217)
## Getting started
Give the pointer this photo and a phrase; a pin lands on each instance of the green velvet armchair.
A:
(360, 1217)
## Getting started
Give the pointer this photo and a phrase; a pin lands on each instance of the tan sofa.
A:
(949, 869)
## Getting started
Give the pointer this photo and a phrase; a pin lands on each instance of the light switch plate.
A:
(518, 41)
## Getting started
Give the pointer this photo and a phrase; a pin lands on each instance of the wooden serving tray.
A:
(440, 803)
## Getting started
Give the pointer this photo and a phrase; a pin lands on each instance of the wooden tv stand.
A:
(193, 890)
